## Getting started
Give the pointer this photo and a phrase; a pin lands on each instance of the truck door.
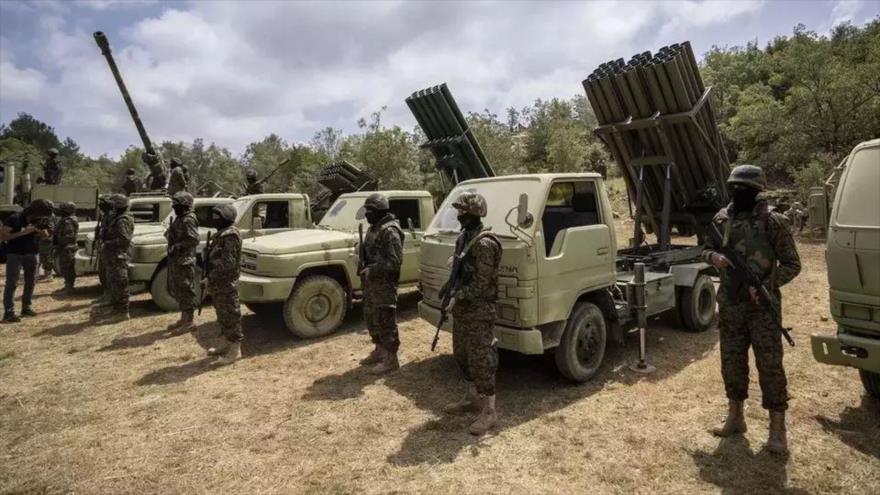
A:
(408, 211)
(574, 246)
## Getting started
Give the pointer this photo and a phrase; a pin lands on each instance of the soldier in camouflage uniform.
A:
(177, 181)
(106, 209)
(252, 186)
(117, 232)
(156, 179)
(52, 169)
(47, 249)
(763, 238)
(64, 239)
(224, 267)
(183, 239)
(473, 314)
(381, 272)
(131, 184)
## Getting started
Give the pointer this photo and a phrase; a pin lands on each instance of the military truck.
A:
(258, 215)
(147, 209)
(853, 256)
(86, 198)
(311, 275)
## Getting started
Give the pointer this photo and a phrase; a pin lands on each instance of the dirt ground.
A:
(124, 409)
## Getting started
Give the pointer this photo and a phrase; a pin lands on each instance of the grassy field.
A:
(124, 409)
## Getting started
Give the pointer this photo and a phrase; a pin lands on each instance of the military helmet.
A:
(175, 162)
(118, 201)
(377, 201)
(748, 175)
(66, 208)
(182, 198)
(53, 151)
(251, 174)
(40, 208)
(226, 212)
(471, 202)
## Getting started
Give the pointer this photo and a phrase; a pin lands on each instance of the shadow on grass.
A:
(177, 374)
(859, 427)
(735, 469)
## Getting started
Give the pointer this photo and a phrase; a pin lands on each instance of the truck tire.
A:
(582, 347)
(316, 307)
(871, 381)
(161, 296)
(696, 304)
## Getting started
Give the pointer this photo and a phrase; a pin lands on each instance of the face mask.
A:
(744, 198)
(374, 216)
(180, 209)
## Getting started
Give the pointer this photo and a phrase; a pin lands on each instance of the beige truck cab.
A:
(562, 283)
(258, 215)
(853, 256)
(311, 275)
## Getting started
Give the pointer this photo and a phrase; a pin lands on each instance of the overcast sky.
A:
(233, 72)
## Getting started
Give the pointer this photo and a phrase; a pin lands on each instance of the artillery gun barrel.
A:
(104, 45)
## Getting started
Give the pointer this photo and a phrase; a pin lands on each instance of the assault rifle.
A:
(206, 268)
(739, 270)
(451, 287)
(362, 253)
(99, 233)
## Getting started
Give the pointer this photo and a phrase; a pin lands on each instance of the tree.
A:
(33, 132)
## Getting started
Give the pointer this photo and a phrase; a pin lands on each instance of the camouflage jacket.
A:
(383, 244)
(52, 172)
(183, 239)
(224, 258)
(177, 181)
(157, 177)
(765, 241)
(117, 234)
(65, 232)
(253, 188)
(479, 269)
(131, 185)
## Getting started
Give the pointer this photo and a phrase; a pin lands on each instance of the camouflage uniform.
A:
(157, 177)
(131, 184)
(52, 169)
(65, 242)
(225, 266)
(177, 181)
(763, 238)
(383, 244)
(114, 252)
(183, 239)
(252, 186)
(473, 316)
(47, 249)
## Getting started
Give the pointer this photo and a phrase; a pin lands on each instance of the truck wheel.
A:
(697, 304)
(316, 307)
(582, 347)
(161, 296)
(871, 381)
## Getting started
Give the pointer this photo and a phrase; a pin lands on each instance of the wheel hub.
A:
(317, 308)
(586, 343)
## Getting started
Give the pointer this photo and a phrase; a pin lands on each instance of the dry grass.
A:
(121, 409)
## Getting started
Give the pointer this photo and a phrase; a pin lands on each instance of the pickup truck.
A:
(258, 215)
(311, 275)
(563, 285)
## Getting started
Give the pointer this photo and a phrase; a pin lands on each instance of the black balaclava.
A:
(218, 222)
(374, 216)
(744, 197)
(468, 221)
(180, 210)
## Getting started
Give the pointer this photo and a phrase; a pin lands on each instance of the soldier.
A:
(52, 169)
(252, 186)
(383, 245)
(117, 232)
(106, 209)
(47, 248)
(177, 181)
(763, 239)
(224, 267)
(131, 184)
(183, 239)
(473, 313)
(65, 244)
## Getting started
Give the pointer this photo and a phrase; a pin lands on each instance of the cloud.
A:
(101, 5)
(20, 84)
(845, 11)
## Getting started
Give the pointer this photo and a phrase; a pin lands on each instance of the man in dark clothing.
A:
(21, 233)
(131, 184)
(52, 169)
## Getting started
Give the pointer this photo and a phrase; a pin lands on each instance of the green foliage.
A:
(33, 132)
(813, 174)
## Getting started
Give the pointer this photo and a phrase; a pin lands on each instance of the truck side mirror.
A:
(256, 224)
(524, 219)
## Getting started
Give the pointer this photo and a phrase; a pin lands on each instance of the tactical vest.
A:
(469, 266)
(748, 234)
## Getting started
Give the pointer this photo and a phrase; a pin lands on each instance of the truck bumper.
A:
(524, 341)
(141, 272)
(257, 289)
(847, 350)
(83, 264)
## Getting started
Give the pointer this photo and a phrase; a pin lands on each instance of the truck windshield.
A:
(344, 214)
(859, 202)
(501, 196)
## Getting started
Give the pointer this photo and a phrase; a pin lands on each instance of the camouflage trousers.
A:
(47, 255)
(745, 325)
(66, 264)
(473, 344)
(381, 322)
(116, 275)
(181, 284)
(228, 314)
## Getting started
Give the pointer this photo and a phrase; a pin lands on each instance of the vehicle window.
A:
(569, 204)
(337, 207)
(859, 201)
(145, 213)
(406, 210)
(275, 214)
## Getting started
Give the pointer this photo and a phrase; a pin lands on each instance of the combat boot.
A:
(374, 357)
(388, 364)
(233, 354)
(468, 403)
(184, 324)
(67, 290)
(488, 417)
(776, 441)
(735, 424)
(117, 316)
(219, 350)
